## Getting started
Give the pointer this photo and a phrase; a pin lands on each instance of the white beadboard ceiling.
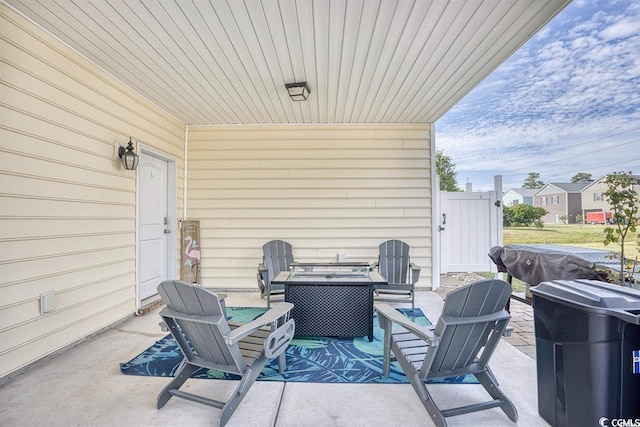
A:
(227, 61)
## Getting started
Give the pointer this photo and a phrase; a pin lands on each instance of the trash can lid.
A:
(593, 296)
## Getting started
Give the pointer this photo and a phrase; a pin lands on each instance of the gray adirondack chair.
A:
(394, 264)
(198, 323)
(277, 256)
(473, 319)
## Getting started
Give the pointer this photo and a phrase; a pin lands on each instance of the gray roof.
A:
(570, 187)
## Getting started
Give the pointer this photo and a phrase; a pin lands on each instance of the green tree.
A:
(533, 181)
(625, 204)
(522, 215)
(446, 169)
(582, 178)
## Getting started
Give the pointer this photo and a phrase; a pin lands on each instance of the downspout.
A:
(185, 170)
(435, 213)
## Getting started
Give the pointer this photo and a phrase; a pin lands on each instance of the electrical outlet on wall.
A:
(47, 302)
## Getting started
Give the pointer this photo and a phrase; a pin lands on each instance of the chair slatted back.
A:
(460, 344)
(278, 256)
(205, 341)
(394, 261)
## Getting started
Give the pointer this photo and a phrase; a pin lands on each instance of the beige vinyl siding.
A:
(554, 212)
(67, 207)
(599, 186)
(588, 204)
(327, 189)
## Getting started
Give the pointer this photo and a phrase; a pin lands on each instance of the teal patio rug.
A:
(309, 359)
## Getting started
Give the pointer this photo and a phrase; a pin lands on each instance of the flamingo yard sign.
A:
(190, 252)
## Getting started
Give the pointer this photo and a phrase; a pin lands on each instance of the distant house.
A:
(563, 202)
(593, 199)
(519, 196)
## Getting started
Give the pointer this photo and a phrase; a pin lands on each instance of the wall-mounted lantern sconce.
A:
(298, 91)
(128, 157)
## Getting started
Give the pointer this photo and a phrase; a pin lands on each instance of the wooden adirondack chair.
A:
(473, 319)
(277, 257)
(198, 323)
(394, 264)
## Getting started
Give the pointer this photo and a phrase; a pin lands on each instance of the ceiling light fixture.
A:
(298, 91)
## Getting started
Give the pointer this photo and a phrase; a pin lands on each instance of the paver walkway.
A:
(523, 336)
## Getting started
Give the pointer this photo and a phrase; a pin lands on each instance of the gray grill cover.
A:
(534, 264)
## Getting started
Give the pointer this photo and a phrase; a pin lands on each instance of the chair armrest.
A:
(391, 314)
(276, 312)
(415, 273)
(262, 276)
(374, 265)
(278, 340)
(262, 267)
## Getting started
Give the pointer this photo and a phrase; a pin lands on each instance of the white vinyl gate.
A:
(470, 223)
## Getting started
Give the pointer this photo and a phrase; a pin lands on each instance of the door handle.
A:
(444, 219)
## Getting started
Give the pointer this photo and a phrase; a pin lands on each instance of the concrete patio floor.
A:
(84, 387)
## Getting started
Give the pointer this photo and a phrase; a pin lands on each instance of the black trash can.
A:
(588, 352)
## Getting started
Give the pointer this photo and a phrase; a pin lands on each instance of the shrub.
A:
(522, 215)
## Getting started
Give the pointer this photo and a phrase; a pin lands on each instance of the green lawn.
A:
(586, 236)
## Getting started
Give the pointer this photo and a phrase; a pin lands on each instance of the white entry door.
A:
(153, 225)
(468, 227)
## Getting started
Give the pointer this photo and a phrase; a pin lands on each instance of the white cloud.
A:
(567, 102)
(621, 29)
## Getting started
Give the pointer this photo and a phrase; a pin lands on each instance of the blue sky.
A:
(567, 101)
